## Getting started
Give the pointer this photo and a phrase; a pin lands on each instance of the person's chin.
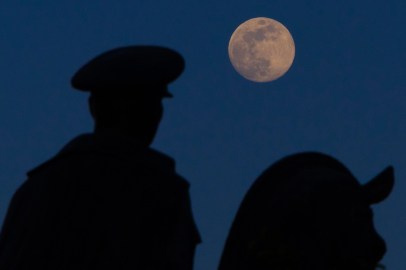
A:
(357, 265)
(366, 265)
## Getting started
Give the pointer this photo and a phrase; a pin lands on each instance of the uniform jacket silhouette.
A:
(103, 202)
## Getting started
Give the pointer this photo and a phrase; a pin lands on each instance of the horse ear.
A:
(379, 187)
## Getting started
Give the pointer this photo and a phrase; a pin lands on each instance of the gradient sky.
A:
(344, 95)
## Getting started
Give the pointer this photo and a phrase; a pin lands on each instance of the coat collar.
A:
(121, 146)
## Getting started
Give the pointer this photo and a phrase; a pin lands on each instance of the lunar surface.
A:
(261, 49)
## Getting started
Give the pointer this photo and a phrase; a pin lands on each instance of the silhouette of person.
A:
(307, 211)
(107, 200)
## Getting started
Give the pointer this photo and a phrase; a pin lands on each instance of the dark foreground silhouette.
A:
(107, 200)
(307, 212)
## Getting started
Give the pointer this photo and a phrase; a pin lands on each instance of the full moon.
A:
(261, 49)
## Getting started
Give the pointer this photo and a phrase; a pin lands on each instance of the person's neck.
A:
(122, 133)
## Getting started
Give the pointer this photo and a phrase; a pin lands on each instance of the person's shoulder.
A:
(107, 156)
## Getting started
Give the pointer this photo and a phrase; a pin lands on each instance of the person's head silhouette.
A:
(127, 86)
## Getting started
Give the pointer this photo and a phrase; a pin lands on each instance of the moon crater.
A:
(261, 49)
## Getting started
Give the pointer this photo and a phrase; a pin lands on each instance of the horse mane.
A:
(269, 183)
(285, 169)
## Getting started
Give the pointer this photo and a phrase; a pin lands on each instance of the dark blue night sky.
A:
(344, 95)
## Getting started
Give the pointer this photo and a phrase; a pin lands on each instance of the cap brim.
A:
(167, 95)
